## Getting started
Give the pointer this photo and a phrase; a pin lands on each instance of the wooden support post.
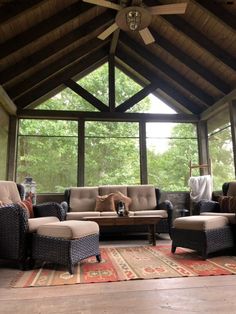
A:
(232, 110)
(12, 145)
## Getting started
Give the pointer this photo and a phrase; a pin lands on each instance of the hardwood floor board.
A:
(192, 300)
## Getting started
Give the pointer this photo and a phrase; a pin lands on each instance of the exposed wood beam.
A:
(111, 82)
(43, 28)
(103, 116)
(86, 95)
(54, 47)
(218, 106)
(203, 151)
(152, 77)
(194, 65)
(12, 9)
(12, 148)
(26, 85)
(133, 100)
(60, 77)
(143, 152)
(165, 68)
(81, 153)
(232, 110)
(216, 9)
(188, 30)
(6, 102)
(114, 41)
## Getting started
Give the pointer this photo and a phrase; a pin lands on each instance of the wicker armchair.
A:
(15, 236)
(205, 206)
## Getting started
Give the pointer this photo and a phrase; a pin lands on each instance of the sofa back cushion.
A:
(108, 189)
(83, 199)
(143, 197)
(232, 189)
(9, 193)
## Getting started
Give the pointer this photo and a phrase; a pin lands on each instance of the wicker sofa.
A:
(145, 200)
(16, 226)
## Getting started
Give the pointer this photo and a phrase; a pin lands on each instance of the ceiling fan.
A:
(134, 16)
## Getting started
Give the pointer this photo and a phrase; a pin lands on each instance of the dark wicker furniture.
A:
(65, 252)
(204, 242)
(15, 240)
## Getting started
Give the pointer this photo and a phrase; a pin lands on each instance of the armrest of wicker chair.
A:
(206, 206)
(13, 233)
(50, 209)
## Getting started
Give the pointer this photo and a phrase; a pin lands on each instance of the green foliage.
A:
(48, 149)
(221, 152)
(170, 170)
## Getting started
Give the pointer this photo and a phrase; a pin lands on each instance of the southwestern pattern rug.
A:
(122, 263)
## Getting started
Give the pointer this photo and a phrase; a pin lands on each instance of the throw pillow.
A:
(227, 204)
(120, 197)
(27, 204)
(105, 203)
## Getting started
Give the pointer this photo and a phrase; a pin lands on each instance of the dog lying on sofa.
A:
(102, 201)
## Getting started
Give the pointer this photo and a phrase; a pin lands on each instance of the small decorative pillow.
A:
(120, 197)
(227, 204)
(105, 203)
(27, 204)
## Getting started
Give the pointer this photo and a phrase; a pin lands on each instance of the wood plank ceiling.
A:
(44, 44)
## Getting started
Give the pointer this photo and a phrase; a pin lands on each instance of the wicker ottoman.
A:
(205, 234)
(66, 242)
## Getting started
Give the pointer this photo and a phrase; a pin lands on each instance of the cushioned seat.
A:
(66, 242)
(205, 234)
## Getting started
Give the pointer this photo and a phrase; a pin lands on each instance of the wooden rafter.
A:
(111, 82)
(12, 9)
(215, 8)
(86, 95)
(169, 71)
(43, 28)
(133, 100)
(54, 47)
(201, 40)
(194, 65)
(59, 78)
(26, 85)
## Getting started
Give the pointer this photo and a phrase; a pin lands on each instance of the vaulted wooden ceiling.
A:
(45, 44)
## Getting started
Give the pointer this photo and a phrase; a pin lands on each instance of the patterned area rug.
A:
(146, 262)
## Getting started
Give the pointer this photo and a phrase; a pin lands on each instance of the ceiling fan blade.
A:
(176, 8)
(108, 31)
(146, 36)
(106, 4)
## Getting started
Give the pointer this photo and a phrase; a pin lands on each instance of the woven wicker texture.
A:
(65, 252)
(204, 242)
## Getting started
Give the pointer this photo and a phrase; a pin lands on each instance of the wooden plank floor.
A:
(215, 294)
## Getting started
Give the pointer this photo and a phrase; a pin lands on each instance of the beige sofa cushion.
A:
(69, 229)
(232, 189)
(81, 215)
(9, 193)
(108, 189)
(200, 222)
(143, 197)
(230, 216)
(83, 199)
(34, 223)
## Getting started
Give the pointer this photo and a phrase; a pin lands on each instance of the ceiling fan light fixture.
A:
(133, 20)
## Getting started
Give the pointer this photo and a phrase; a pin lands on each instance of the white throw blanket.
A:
(201, 188)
